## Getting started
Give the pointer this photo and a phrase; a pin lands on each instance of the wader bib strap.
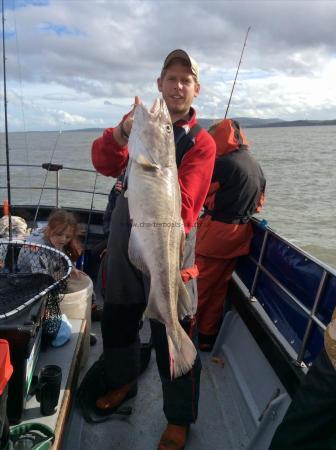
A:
(124, 282)
(184, 142)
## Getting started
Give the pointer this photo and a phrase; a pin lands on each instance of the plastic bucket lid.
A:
(6, 368)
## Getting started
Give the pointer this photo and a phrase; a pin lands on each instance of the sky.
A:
(79, 63)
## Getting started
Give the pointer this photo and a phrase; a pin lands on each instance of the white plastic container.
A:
(76, 304)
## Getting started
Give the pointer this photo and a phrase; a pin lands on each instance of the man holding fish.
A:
(150, 265)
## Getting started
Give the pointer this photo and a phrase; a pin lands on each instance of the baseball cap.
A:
(182, 55)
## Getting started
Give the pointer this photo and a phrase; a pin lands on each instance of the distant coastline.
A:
(245, 122)
(251, 122)
(296, 123)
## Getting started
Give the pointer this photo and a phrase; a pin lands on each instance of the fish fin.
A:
(182, 352)
(184, 303)
(153, 312)
(134, 254)
(146, 164)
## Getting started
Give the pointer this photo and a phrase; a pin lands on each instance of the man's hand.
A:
(122, 131)
(118, 186)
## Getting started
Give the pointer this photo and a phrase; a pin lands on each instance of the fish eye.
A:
(168, 128)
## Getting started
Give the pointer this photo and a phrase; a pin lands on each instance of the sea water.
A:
(299, 164)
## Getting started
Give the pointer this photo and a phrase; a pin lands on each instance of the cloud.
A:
(89, 55)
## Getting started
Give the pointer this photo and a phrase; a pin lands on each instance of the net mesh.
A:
(29, 272)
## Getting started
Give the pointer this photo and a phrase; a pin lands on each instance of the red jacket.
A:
(194, 173)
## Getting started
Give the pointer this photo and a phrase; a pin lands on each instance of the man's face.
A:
(178, 88)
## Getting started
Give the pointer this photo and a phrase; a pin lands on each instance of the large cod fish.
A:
(157, 235)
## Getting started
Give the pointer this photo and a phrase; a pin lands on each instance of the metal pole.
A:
(57, 189)
(259, 265)
(306, 336)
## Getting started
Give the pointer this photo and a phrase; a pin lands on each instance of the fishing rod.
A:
(88, 223)
(234, 83)
(10, 231)
(6, 138)
(48, 167)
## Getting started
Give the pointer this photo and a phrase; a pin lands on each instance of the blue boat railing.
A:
(63, 181)
(297, 291)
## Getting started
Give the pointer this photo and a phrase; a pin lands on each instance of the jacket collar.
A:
(187, 124)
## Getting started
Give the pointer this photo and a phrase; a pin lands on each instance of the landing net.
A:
(29, 272)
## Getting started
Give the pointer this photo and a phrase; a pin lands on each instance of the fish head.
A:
(152, 137)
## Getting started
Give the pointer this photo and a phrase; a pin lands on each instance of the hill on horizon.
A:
(254, 122)
(245, 122)
(206, 123)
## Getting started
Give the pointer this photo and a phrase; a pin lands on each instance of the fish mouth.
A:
(157, 106)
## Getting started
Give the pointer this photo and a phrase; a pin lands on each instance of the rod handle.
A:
(5, 208)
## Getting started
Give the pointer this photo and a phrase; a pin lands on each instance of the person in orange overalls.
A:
(224, 230)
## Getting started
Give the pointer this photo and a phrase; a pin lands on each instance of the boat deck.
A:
(219, 425)
(242, 400)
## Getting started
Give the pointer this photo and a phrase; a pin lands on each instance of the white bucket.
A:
(76, 304)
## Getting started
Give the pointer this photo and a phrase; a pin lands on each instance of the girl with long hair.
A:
(60, 233)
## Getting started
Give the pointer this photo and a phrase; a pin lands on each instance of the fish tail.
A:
(182, 352)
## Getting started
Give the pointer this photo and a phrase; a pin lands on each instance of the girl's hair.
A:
(58, 221)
